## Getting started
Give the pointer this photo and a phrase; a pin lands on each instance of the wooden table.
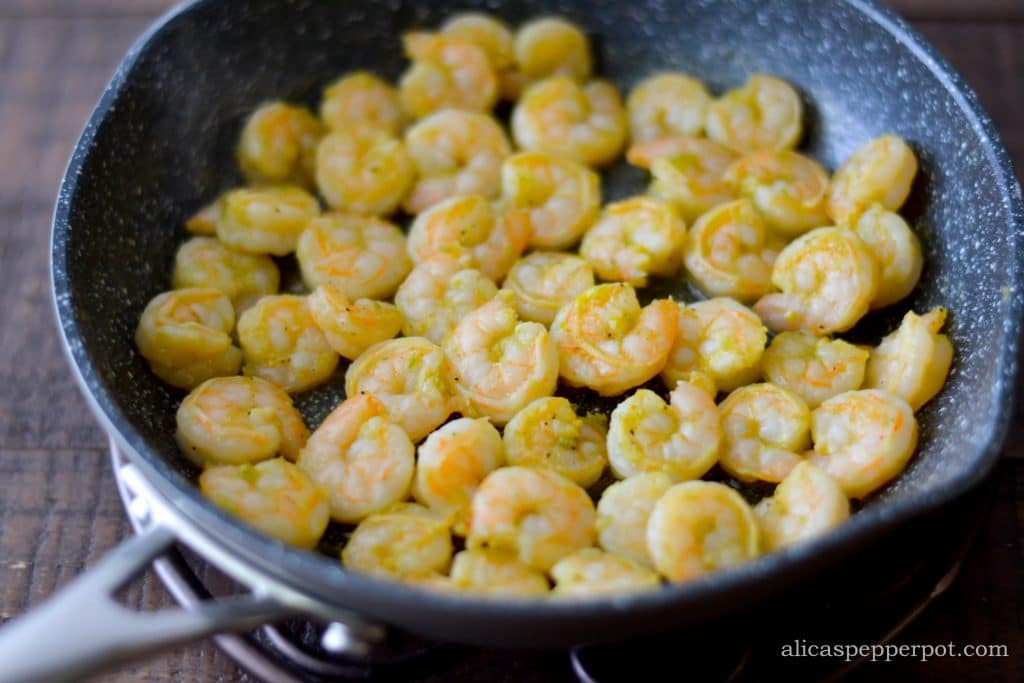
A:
(59, 509)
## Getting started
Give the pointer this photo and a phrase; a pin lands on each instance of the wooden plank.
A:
(957, 10)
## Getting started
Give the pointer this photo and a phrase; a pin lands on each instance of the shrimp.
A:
(788, 189)
(535, 514)
(495, 39)
(455, 153)
(551, 46)
(361, 458)
(408, 542)
(562, 197)
(238, 420)
(623, 511)
(447, 72)
(363, 256)
(362, 173)
(807, 503)
(204, 221)
(440, 292)
(765, 429)
(828, 279)
(897, 251)
(634, 239)
(452, 462)
(363, 104)
(608, 343)
(689, 173)
(412, 377)
(351, 327)
(814, 368)
(501, 364)
(491, 237)
(591, 572)
(244, 278)
(698, 527)
(185, 336)
(731, 251)
(913, 361)
(544, 281)
(764, 114)
(495, 573)
(549, 433)
(719, 339)
(681, 438)
(666, 105)
(281, 343)
(880, 172)
(863, 439)
(278, 145)
(583, 122)
(274, 496)
(265, 220)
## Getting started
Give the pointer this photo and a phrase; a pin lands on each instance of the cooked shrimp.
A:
(897, 251)
(362, 173)
(807, 503)
(698, 527)
(814, 368)
(496, 40)
(765, 429)
(666, 105)
(363, 256)
(274, 496)
(408, 542)
(204, 221)
(493, 238)
(544, 281)
(536, 514)
(788, 189)
(765, 113)
(608, 343)
(447, 72)
(634, 239)
(880, 172)
(364, 104)
(583, 122)
(547, 47)
(828, 278)
(689, 172)
(278, 144)
(455, 153)
(549, 433)
(501, 364)
(412, 377)
(496, 573)
(863, 439)
(351, 327)
(591, 572)
(265, 220)
(562, 197)
(244, 278)
(730, 252)
(361, 458)
(440, 292)
(238, 420)
(281, 343)
(185, 336)
(913, 361)
(623, 511)
(681, 438)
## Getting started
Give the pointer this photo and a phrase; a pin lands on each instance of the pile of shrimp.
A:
(467, 283)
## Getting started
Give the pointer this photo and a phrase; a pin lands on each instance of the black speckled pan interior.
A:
(160, 144)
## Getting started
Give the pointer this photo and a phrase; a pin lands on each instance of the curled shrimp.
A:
(698, 527)
(583, 122)
(278, 145)
(412, 377)
(274, 496)
(562, 197)
(608, 343)
(495, 39)
(364, 256)
(440, 292)
(592, 572)
(544, 281)
(501, 364)
(634, 239)
(447, 72)
(266, 220)
(863, 439)
(828, 279)
(688, 172)
(666, 105)
(405, 542)
(362, 173)
(281, 343)
(913, 361)
(204, 221)
(765, 113)
(897, 251)
(185, 336)
(623, 511)
(765, 429)
(814, 368)
(880, 172)
(361, 458)
(807, 503)
(549, 433)
(495, 573)
(535, 514)
(363, 104)
(551, 46)
(351, 327)
(238, 420)
(788, 189)
(244, 278)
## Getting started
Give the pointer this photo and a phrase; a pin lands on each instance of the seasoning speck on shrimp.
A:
(545, 281)
(351, 327)
(807, 503)
(788, 189)
(274, 496)
(244, 278)
(765, 113)
(689, 172)
(278, 145)
(634, 239)
(406, 542)
(439, 293)
(623, 511)
(363, 173)
(814, 368)
(592, 572)
(549, 433)
(667, 105)
(880, 172)
(447, 72)
(363, 104)
(897, 251)
(265, 220)
(545, 47)
(766, 429)
(914, 360)
(495, 573)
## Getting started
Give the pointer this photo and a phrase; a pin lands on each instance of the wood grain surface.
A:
(59, 509)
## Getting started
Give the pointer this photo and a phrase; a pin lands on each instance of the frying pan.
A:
(159, 145)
